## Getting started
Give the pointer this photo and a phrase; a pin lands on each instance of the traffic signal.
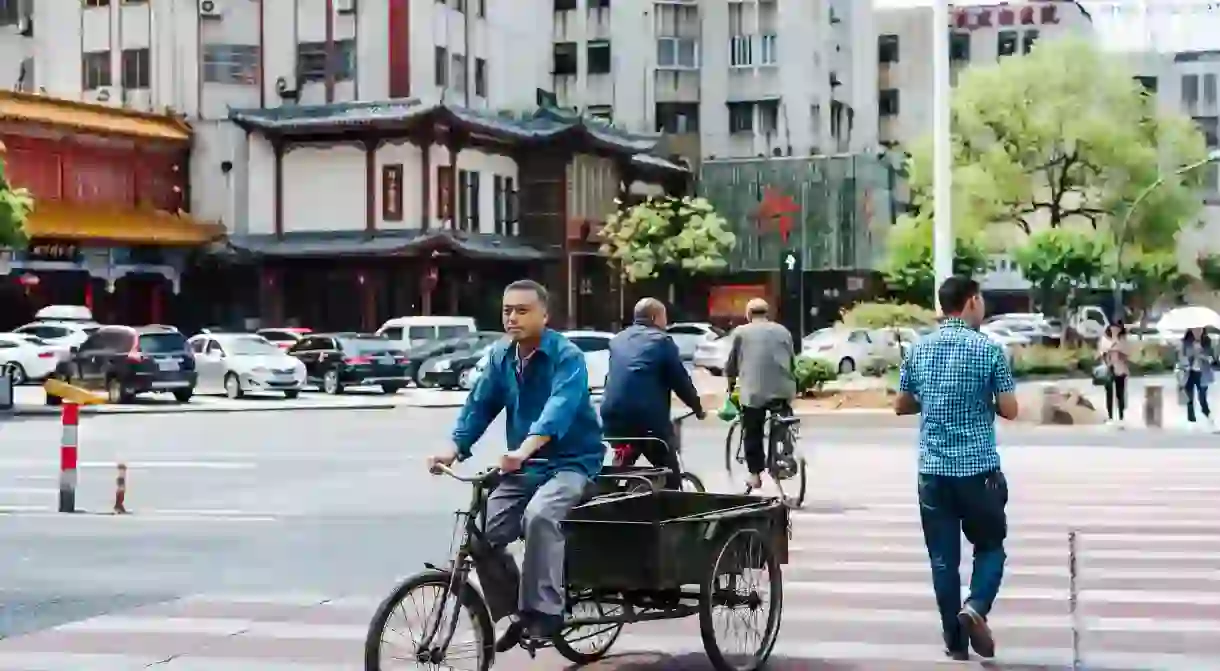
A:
(791, 292)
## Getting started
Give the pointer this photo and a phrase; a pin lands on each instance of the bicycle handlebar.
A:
(441, 469)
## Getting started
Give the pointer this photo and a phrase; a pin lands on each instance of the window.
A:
(95, 69)
(887, 102)
(740, 51)
(136, 69)
(741, 117)
(1049, 14)
(768, 116)
(564, 56)
(564, 5)
(162, 343)
(1027, 16)
(482, 9)
(311, 61)
(468, 200)
(441, 76)
(97, 3)
(599, 4)
(230, 64)
(197, 345)
(1190, 90)
(458, 72)
(10, 12)
(769, 50)
(887, 49)
(677, 52)
(1006, 45)
(1210, 127)
(677, 118)
(505, 205)
(480, 77)
(1209, 89)
(599, 57)
(1028, 40)
(959, 46)
(1149, 84)
(1007, 18)
(603, 112)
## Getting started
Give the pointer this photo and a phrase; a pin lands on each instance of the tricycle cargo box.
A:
(662, 539)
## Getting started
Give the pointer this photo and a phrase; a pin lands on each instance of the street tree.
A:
(1061, 136)
(1148, 276)
(667, 236)
(1209, 270)
(908, 267)
(15, 207)
(1058, 262)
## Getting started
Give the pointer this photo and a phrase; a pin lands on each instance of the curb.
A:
(52, 411)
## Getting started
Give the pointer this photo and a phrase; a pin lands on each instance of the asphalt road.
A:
(330, 502)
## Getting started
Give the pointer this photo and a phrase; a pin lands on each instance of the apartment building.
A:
(979, 34)
(742, 78)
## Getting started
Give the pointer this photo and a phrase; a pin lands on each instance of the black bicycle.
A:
(784, 460)
(627, 449)
(630, 558)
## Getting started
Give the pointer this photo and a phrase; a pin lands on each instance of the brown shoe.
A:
(978, 631)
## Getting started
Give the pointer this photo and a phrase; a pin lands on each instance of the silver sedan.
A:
(239, 363)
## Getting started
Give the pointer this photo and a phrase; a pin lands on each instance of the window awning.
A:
(82, 223)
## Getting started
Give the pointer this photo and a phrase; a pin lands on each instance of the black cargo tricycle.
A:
(632, 556)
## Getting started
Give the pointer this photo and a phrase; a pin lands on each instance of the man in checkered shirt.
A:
(958, 380)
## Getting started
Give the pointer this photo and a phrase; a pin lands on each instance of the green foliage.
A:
(15, 208)
(812, 374)
(888, 315)
(1056, 261)
(1150, 274)
(1040, 360)
(908, 266)
(1061, 135)
(1209, 270)
(667, 233)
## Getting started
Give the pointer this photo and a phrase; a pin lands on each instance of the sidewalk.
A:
(1173, 414)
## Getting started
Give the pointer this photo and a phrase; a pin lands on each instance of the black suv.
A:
(337, 360)
(124, 361)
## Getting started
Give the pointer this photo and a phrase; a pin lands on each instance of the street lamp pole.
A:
(942, 151)
(1125, 223)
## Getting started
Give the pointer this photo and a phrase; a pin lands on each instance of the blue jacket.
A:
(645, 369)
(551, 398)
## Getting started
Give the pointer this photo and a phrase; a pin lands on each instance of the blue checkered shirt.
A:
(955, 374)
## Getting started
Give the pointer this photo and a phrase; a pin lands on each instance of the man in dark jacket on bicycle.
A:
(645, 369)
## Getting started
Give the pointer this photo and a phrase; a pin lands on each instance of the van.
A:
(414, 331)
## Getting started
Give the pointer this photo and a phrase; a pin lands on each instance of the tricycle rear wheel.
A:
(589, 643)
(404, 601)
(736, 581)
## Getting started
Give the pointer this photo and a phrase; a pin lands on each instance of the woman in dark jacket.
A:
(1196, 358)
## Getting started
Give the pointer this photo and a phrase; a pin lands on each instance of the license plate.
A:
(386, 361)
(167, 364)
(176, 384)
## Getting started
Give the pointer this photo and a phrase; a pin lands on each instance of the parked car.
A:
(418, 357)
(237, 363)
(335, 361)
(125, 361)
(713, 355)
(283, 338)
(1000, 334)
(896, 341)
(446, 371)
(410, 332)
(29, 358)
(596, 346)
(848, 349)
(689, 335)
(471, 375)
(65, 325)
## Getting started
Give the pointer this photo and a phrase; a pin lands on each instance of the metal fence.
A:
(845, 206)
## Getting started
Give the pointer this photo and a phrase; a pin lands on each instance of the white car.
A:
(689, 335)
(713, 355)
(470, 376)
(596, 346)
(847, 349)
(29, 358)
(67, 334)
(1005, 337)
(237, 363)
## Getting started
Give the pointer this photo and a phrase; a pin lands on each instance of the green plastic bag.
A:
(728, 410)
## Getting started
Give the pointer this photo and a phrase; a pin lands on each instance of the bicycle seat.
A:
(787, 421)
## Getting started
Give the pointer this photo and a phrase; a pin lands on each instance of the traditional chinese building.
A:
(357, 212)
(108, 230)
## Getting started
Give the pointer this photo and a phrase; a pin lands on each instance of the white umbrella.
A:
(1180, 319)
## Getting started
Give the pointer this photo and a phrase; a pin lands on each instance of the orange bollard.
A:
(120, 491)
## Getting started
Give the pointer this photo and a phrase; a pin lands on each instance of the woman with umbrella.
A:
(1195, 360)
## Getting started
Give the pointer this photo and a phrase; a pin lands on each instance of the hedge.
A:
(1039, 360)
(887, 315)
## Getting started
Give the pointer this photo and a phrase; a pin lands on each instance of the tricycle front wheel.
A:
(586, 644)
(742, 598)
(420, 625)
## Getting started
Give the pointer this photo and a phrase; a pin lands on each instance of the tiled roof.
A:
(40, 109)
(387, 243)
(541, 125)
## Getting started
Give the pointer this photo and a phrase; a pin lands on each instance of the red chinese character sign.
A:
(776, 210)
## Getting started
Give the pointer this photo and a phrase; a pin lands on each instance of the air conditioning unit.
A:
(287, 88)
(105, 95)
(345, 6)
(210, 9)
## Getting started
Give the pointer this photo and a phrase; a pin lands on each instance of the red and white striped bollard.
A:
(67, 458)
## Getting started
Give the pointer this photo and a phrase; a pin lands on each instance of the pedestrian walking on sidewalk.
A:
(1114, 355)
(1196, 357)
(957, 380)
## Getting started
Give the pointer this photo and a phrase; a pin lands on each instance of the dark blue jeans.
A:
(974, 506)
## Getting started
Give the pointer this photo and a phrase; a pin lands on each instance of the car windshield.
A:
(34, 340)
(250, 347)
(162, 343)
(369, 346)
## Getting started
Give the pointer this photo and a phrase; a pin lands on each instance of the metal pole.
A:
(942, 173)
(1073, 594)
(70, 418)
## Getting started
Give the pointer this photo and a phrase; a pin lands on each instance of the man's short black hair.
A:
(544, 296)
(955, 292)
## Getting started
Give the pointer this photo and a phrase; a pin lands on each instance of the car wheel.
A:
(233, 386)
(464, 379)
(291, 394)
(390, 388)
(115, 392)
(847, 366)
(17, 374)
(183, 395)
(330, 382)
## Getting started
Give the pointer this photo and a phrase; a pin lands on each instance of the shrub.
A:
(881, 366)
(1043, 360)
(1153, 358)
(887, 315)
(811, 374)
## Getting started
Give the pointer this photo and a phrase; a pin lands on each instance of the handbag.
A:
(1101, 374)
(728, 410)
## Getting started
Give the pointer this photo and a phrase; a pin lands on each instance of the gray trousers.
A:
(534, 506)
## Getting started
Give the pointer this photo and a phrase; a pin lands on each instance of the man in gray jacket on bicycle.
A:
(760, 367)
